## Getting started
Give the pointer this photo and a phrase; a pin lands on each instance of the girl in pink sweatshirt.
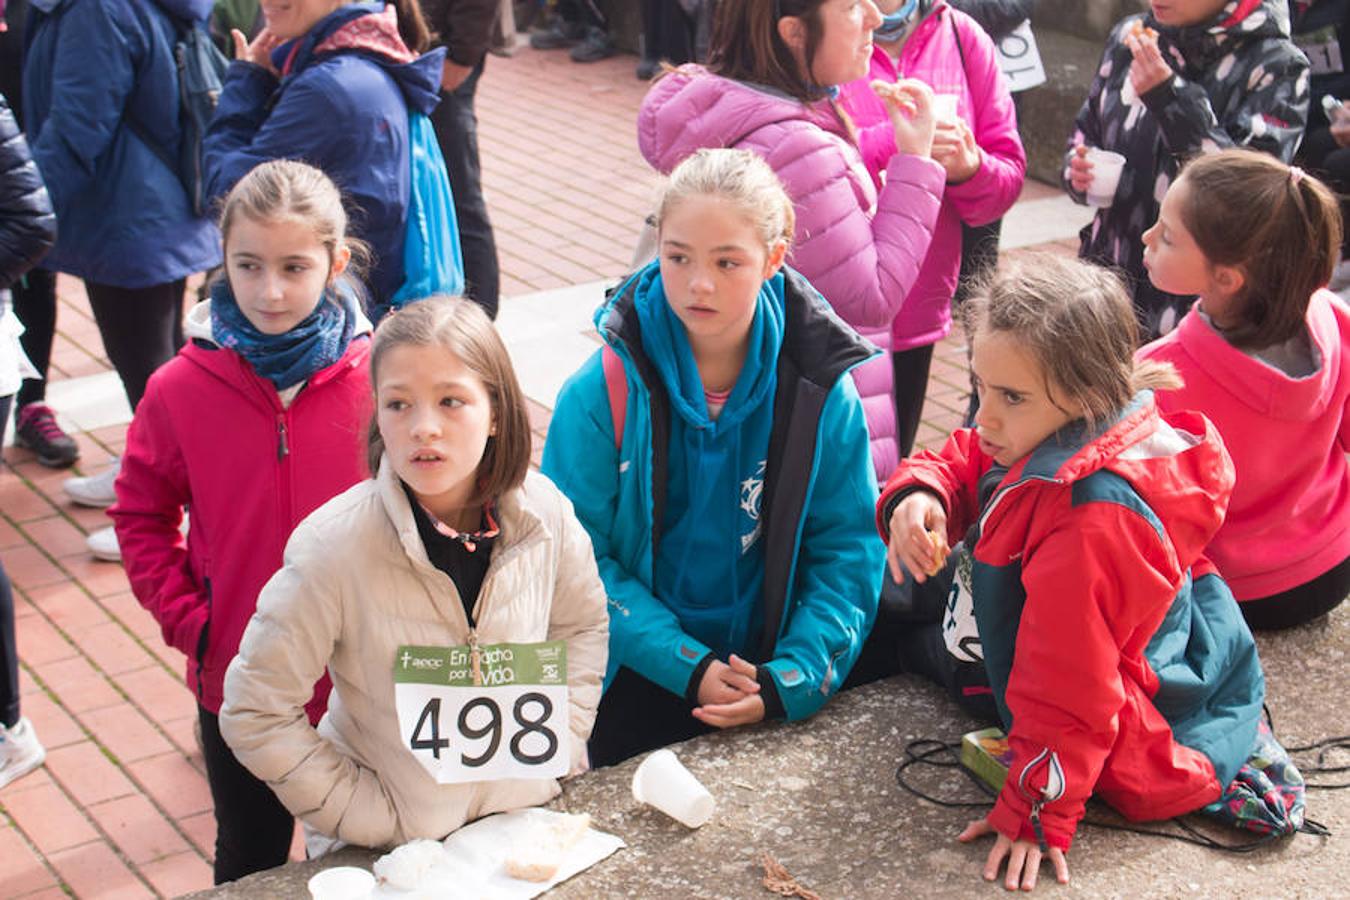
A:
(1262, 353)
(982, 157)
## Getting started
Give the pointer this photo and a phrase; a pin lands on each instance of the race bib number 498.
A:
(511, 721)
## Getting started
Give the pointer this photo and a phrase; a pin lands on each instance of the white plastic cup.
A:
(342, 883)
(1106, 169)
(944, 108)
(663, 781)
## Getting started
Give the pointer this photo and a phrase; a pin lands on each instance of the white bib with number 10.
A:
(512, 725)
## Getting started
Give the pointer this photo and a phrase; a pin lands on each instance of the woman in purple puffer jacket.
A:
(985, 165)
(771, 87)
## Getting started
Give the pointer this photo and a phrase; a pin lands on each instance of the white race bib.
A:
(1019, 60)
(503, 715)
(959, 631)
(1323, 51)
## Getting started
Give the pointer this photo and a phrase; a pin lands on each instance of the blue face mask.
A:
(895, 26)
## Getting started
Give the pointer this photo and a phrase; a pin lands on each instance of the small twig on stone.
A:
(780, 881)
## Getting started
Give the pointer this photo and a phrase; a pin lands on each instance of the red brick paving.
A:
(122, 808)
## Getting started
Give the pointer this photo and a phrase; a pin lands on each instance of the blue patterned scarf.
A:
(317, 342)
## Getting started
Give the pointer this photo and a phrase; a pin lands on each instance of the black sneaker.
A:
(37, 430)
(596, 46)
(558, 35)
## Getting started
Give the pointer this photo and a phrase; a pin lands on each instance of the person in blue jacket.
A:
(330, 83)
(729, 516)
(99, 80)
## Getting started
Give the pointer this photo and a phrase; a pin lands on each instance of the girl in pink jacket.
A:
(1262, 353)
(982, 156)
(771, 87)
(258, 421)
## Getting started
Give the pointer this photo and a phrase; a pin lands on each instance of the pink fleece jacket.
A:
(860, 247)
(1289, 520)
(933, 54)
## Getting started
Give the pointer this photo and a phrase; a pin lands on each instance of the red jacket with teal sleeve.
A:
(1117, 656)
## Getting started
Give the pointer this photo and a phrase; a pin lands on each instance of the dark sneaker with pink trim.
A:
(37, 430)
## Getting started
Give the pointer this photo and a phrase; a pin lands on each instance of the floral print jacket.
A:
(1239, 82)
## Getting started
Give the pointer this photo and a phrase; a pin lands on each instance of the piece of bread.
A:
(940, 552)
(539, 861)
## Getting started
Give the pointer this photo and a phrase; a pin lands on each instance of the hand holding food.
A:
(1148, 68)
(916, 539)
(910, 104)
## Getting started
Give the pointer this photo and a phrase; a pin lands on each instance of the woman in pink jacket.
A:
(257, 422)
(985, 164)
(771, 87)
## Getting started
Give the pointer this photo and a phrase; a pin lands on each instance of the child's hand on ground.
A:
(1148, 68)
(910, 104)
(1080, 170)
(259, 52)
(728, 695)
(1024, 858)
(955, 150)
(910, 545)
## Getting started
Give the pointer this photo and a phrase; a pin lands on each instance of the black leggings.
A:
(35, 304)
(9, 651)
(142, 329)
(1301, 604)
(911, 369)
(637, 715)
(253, 829)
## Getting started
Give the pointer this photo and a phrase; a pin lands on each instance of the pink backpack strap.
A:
(616, 385)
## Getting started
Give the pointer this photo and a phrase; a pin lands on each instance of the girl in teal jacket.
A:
(729, 515)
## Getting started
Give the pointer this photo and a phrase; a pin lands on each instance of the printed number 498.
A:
(430, 718)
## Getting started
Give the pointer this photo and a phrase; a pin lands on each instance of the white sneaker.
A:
(94, 490)
(20, 752)
(103, 544)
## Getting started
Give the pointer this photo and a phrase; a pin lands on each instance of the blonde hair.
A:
(287, 190)
(1077, 322)
(1278, 225)
(740, 177)
(461, 328)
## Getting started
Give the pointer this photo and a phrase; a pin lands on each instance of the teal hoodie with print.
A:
(748, 533)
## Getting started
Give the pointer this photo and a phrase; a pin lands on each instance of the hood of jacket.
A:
(187, 10)
(370, 29)
(1177, 464)
(692, 108)
(821, 345)
(1262, 387)
(1200, 46)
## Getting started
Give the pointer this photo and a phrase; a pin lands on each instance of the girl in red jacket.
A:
(258, 421)
(1263, 354)
(1117, 658)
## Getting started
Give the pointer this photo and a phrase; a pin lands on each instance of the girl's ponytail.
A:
(1278, 225)
(412, 25)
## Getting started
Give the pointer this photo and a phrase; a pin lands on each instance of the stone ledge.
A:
(821, 798)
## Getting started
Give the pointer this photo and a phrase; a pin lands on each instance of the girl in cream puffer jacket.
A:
(380, 569)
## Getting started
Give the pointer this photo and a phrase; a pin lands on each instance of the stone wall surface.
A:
(821, 798)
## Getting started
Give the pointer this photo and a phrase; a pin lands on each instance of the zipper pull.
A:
(1036, 827)
(475, 658)
(283, 450)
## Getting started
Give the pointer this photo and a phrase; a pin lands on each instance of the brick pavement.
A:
(122, 807)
